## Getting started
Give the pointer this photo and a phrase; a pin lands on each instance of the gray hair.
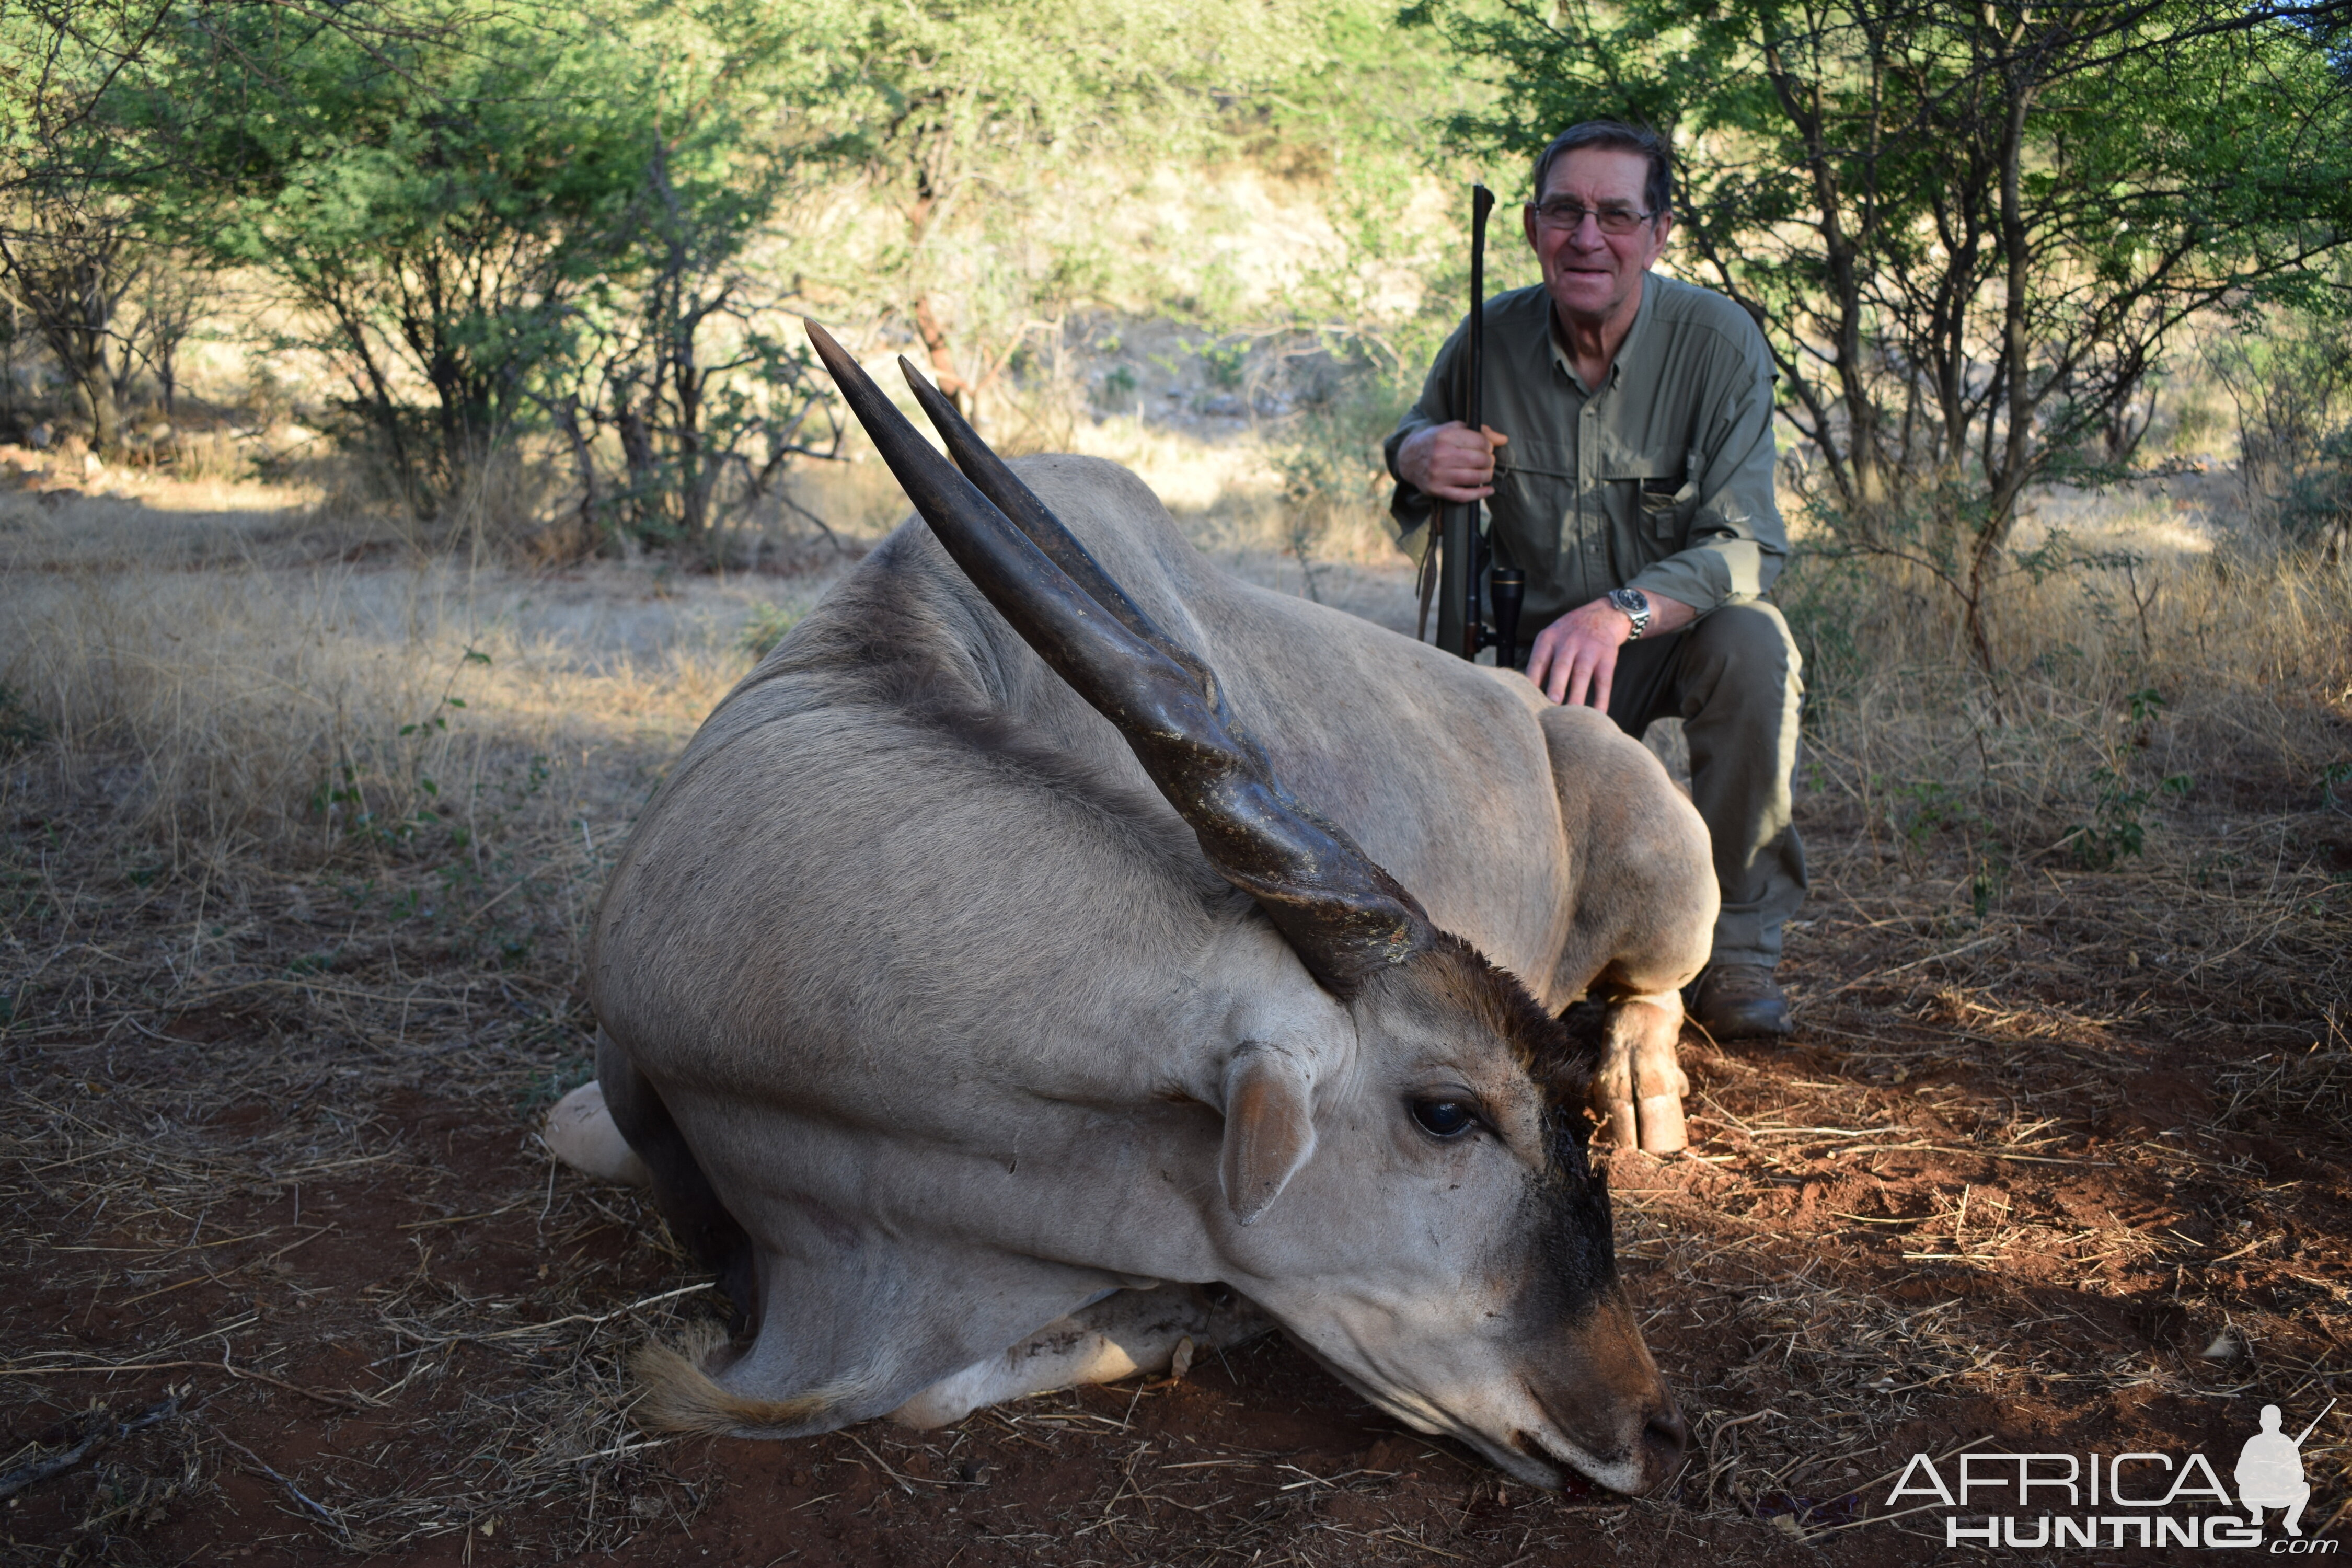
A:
(1658, 190)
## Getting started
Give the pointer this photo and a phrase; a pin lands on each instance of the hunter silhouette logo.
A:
(2143, 1499)
(2270, 1471)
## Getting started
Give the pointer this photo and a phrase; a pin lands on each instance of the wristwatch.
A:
(1634, 604)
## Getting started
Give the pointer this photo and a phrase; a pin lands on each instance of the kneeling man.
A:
(1628, 470)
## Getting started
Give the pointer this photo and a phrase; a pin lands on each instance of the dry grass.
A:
(2176, 678)
(2059, 1157)
(266, 708)
(2049, 1178)
(299, 845)
(497, 1404)
(286, 987)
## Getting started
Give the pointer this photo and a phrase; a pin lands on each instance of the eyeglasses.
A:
(1561, 213)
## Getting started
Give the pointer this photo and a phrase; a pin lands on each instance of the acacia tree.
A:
(954, 111)
(89, 253)
(1969, 231)
(71, 246)
(434, 200)
(69, 264)
(492, 218)
(673, 358)
(2291, 385)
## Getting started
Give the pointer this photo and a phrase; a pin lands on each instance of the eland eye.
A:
(1443, 1118)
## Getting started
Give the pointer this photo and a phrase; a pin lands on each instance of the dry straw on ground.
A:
(297, 852)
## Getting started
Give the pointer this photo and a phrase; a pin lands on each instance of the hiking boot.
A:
(1739, 1002)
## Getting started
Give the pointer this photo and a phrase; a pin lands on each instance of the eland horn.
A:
(1345, 917)
(995, 479)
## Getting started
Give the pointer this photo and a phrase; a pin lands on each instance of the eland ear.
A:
(1269, 1128)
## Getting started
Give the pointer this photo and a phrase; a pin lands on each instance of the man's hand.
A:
(1575, 658)
(1450, 461)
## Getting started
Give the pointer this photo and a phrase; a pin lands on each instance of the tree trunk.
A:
(376, 397)
(634, 426)
(943, 366)
(2006, 481)
(567, 419)
(74, 301)
(952, 383)
(94, 399)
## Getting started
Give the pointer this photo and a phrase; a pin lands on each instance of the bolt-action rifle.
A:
(1463, 552)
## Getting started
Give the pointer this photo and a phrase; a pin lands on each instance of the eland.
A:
(1057, 950)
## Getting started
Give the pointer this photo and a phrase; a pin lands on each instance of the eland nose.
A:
(1665, 1438)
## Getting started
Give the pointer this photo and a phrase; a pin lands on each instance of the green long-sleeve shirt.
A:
(1660, 479)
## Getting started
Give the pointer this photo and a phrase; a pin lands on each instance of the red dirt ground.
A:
(1977, 1201)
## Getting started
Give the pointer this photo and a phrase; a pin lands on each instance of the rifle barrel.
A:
(1482, 202)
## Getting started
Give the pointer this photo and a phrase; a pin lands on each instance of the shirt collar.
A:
(1641, 313)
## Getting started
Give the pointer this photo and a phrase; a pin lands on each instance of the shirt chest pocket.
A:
(1660, 493)
(1535, 491)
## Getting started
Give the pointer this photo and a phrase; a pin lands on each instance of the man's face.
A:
(1591, 276)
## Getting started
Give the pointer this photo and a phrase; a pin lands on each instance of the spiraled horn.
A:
(996, 480)
(1345, 917)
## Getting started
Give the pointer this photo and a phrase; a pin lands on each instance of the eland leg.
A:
(1127, 1333)
(681, 1191)
(1643, 913)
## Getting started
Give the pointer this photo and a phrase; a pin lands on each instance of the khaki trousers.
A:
(1732, 678)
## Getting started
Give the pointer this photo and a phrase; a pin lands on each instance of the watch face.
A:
(1635, 606)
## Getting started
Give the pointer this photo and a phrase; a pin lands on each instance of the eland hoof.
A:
(581, 1134)
(1641, 1084)
(1660, 1117)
